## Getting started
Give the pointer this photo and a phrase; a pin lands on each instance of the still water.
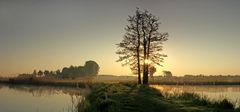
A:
(40, 98)
(232, 93)
(62, 99)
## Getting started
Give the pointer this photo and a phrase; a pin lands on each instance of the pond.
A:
(220, 92)
(19, 98)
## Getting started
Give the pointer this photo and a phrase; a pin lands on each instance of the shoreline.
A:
(117, 96)
(92, 81)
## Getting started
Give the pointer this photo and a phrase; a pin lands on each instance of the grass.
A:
(130, 97)
(126, 97)
(204, 104)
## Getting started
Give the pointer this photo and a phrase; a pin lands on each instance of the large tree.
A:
(142, 44)
(129, 49)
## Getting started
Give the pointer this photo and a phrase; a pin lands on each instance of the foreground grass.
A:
(141, 98)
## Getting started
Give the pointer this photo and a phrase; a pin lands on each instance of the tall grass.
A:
(196, 99)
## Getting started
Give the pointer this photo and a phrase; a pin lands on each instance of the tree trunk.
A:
(139, 71)
(138, 47)
(145, 74)
(147, 55)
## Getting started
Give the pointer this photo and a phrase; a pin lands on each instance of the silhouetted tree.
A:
(58, 72)
(34, 74)
(152, 42)
(142, 43)
(52, 73)
(167, 73)
(46, 73)
(152, 70)
(65, 72)
(40, 73)
(91, 68)
(129, 49)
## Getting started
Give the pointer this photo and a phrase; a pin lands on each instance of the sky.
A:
(52, 34)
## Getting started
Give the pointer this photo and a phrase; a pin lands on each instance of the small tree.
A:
(91, 68)
(34, 74)
(167, 73)
(46, 73)
(58, 72)
(152, 70)
(40, 73)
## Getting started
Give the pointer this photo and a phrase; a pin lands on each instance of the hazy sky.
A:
(51, 34)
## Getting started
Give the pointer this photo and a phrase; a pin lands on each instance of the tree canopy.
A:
(91, 68)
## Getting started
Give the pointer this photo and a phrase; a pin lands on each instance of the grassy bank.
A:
(141, 98)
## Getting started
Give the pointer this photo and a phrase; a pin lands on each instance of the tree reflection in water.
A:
(77, 103)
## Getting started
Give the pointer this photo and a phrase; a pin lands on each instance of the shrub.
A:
(237, 109)
(225, 104)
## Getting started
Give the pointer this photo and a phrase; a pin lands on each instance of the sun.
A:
(147, 61)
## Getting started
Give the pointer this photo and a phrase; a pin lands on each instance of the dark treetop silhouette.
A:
(90, 68)
(142, 44)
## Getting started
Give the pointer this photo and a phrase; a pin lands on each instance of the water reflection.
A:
(230, 92)
(22, 98)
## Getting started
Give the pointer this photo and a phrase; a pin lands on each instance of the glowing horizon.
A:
(50, 35)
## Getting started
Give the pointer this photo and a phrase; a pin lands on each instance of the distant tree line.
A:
(91, 68)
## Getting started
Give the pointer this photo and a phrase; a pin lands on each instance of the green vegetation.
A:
(125, 97)
(194, 102)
